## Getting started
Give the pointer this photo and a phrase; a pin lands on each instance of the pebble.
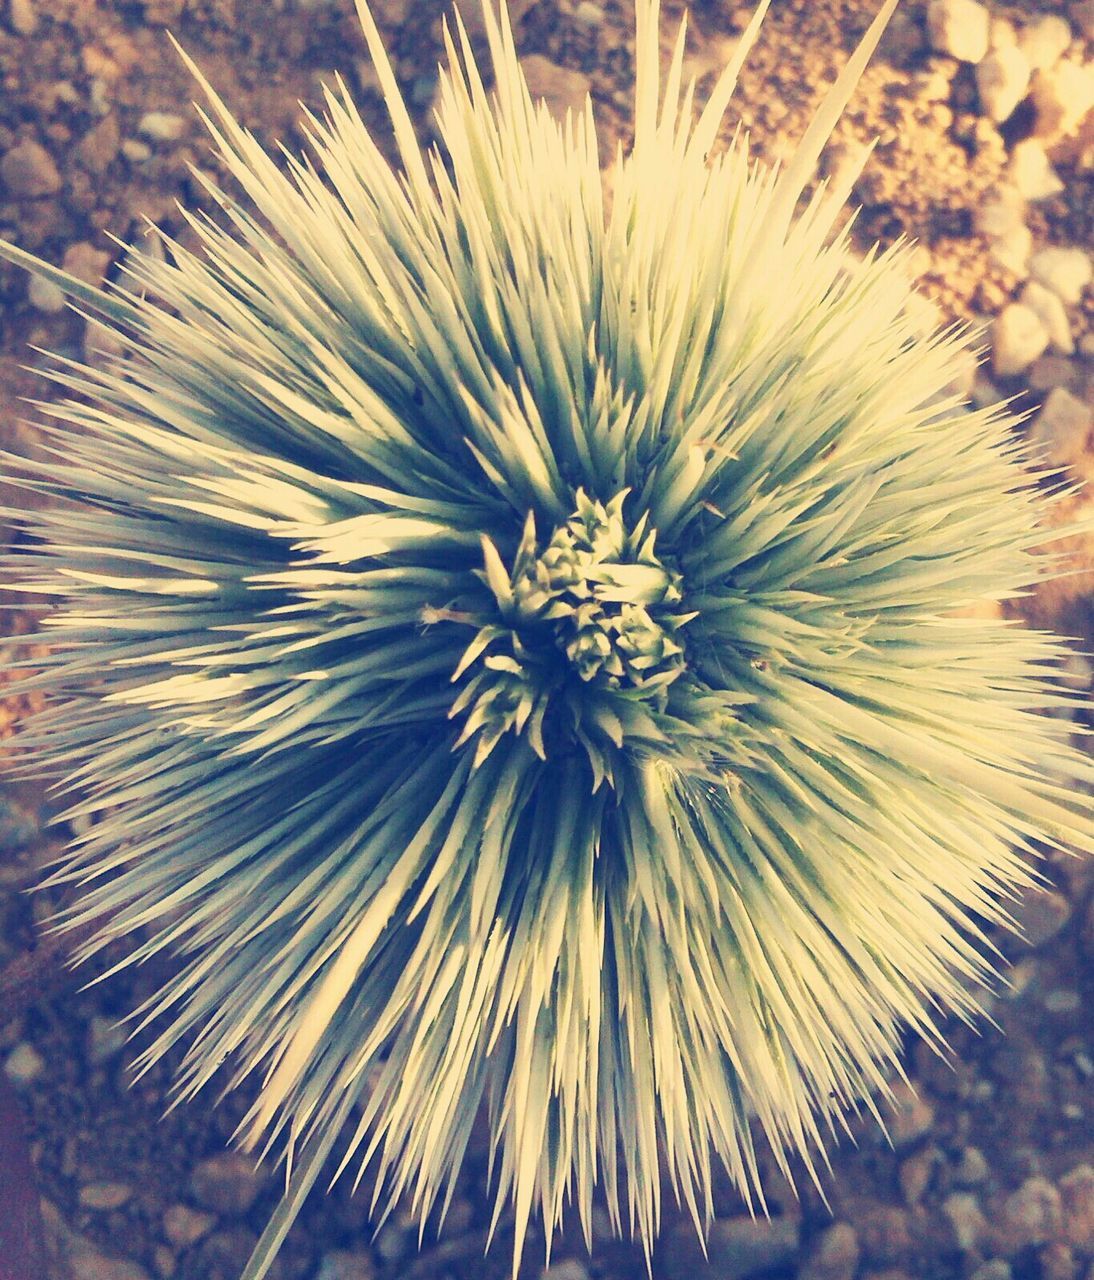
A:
(161, 126)
(736, 1248)
(1048, 372)
(1031, 171)
(1002, 79)
(1065, 270)
(24, 1064)
(912, 1115)
(22, 17)
(1045, 40)
(834, 1255)
(1018, 337)
(1002, 211)
(184, 1226)
(1030, 1215)
(1062, 1000)
(1083, 13)
(135, 151)
(89, 1264)
(227, 1183)
(569, 1269)
(105, 1039)
(1077, 1198)
(561, 87)
(1061, 98)
(1052, 313)
(344, 1264)
(994, 1269)
(914, 1174)
(85, 262)
(959, 28)
(972, 1169)
(1012, 251)
(28, 171)
(885, 1233)
(99, 146)
(44, 295)
(1043, 914)
(105, 1195)
(963, 1211)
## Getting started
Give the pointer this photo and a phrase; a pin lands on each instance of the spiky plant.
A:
(516, 651)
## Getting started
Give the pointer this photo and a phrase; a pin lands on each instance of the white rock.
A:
(1003, 211)
(1031, 171)
(1065, 425)
(341, 1264)
(1012, 251)
(1045, 40)
(1017, 337)
(24, 1064)
(44, 295)
(568, 1269)
(184, 1226)
(105, 1195)
(161, 126)
(1052, 313)
(1002, 79)
(963, 1210)
(562, 87)
(959, 28)
(22, 17)
(1062, 97)
(1066, 270)
(1002, 33)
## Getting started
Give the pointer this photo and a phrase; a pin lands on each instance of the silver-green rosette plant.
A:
(520, 651)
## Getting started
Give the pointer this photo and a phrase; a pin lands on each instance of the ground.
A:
(990, 1175)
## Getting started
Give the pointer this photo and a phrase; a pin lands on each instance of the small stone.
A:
(1018, 337)
(1064, 424)
(88, 1264)
(1057, 1262)
(1012, 251)
(1062, 97)
(1066, 270)
(963, 1211)
(342, 1264)
(1002, 211)
(45, 296)
(1043, 914)
(736, 1249)
(85, 262)
(569, 1269)
(104, 1040)
(1045, 40)
(161, 126)
(1077, 1198)
(994, 1269)
(105, 1195)
(184, 1226)
(1002, 33)
(834, 1255)
(914, 1174)
(1031, 171)
(1048, 372)
(22, 17)
(99, 146)
(959, 28)
(1053, 315)
(972, 1169)
(1031, 1215)
(135, 151)
(24, 1064)
(561, 87)
(392, 1243)
(162, 13)
(912, 1115)
(1062, 1000)
(165, 1261)
(28, 172)
(226, 1183)
(884, 1233)
(1002, 79)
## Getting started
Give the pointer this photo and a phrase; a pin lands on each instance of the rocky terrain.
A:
(985, 156)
